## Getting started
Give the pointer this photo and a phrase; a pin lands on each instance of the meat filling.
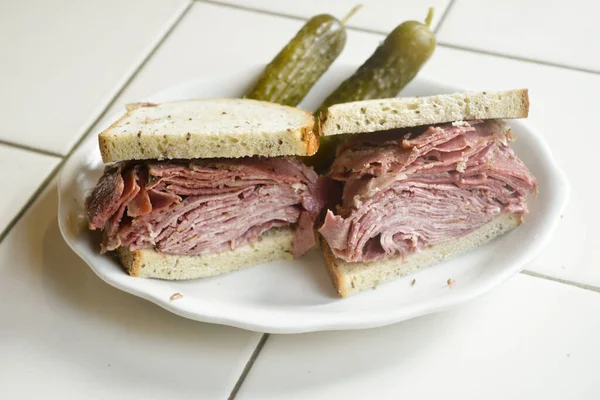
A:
(404, 190)
(204, 206)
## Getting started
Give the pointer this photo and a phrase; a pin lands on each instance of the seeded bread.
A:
(404, 112)
(274, 244)
(351, 278)
(208, 128)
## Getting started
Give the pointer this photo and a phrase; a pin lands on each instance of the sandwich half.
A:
(198, 188)
(423, 180)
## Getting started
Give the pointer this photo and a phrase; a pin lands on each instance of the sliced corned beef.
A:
(406, 189)
(204, 206)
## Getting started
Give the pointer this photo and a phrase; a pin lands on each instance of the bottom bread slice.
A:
(352, 277)
(148, 263)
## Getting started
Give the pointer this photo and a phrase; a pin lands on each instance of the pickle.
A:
(391, 67)
(298, 66)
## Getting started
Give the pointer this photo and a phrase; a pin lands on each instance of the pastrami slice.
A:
(204, 206)
(405, 190)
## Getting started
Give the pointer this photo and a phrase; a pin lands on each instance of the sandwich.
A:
(423, 180)
(197, 188)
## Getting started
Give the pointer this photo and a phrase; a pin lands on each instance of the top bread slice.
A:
(208, 128)
(405, 112)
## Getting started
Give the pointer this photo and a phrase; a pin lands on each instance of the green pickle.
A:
(298, 66)
(391, 67)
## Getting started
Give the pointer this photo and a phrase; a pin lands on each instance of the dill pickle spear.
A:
(391, 67)
(298, 66)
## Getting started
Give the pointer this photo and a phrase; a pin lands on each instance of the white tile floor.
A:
(553, 31)
(62, 62)
(60, 67)
(529, 339)
(78, 337)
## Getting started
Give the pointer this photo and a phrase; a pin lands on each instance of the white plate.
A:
(297, 296)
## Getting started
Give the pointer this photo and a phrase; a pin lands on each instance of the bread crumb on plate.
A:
(176, 296)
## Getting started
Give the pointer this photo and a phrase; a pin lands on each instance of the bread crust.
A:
(148, 263)
(351, 278)
(334, 274)
(208, 128)
(404, 112)
(312, 141)
(104, 140)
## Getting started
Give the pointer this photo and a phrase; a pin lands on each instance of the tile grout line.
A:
(31, 200)
(248, 366)
(277, 14)
(440, 43)
(251, 9)
(517, 58)
(54, 172)
(444, 16)
(29, 148)
(563, 281)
